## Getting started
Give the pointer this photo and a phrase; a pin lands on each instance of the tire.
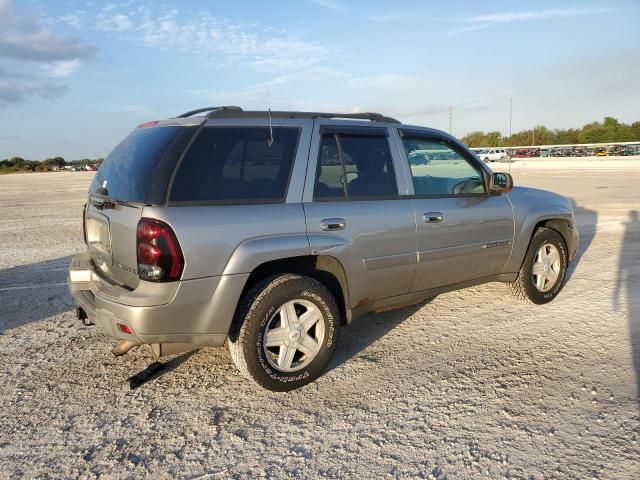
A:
(527, 286)
(263, 314)
(486, 160)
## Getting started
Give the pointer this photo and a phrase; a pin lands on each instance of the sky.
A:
(77, 76)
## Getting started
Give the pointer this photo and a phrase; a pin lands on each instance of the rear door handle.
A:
(333, 224)
(433, 217)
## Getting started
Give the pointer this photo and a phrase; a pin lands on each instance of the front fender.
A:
(525, 225)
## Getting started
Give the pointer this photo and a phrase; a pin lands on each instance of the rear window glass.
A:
(237, 165)
(130, 168)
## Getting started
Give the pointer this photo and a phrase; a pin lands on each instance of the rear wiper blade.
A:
(107, 203)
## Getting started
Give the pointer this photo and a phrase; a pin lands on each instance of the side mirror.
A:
(500, 182)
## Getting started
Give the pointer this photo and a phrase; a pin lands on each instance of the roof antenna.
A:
(270, 140)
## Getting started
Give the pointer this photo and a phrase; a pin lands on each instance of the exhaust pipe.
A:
(122, 347)
(81, 314)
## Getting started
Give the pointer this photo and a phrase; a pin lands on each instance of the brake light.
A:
(159, 254)
(150, 124)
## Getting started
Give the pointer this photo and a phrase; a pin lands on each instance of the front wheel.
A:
(544, 268)
(285, 332)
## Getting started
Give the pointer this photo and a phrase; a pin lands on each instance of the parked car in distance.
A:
(492, 154)
(269, 230)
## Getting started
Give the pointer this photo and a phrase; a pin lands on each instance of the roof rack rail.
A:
(234, 112)
(228, 108)
(374, 117)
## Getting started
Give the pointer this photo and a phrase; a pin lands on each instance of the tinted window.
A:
(237, 164)
(130, 168)
(437, 169)
(354, 167)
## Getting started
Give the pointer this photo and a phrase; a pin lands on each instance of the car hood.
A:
(538, 196)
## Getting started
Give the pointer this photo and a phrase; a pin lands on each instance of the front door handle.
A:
(433, 217)
(333, 224)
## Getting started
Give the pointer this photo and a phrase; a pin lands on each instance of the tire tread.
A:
(251, 300)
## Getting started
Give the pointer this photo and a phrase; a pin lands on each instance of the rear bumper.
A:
(196, 311)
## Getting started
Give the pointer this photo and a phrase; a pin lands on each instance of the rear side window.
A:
(354, 167)
(237, 165)
(130, 169)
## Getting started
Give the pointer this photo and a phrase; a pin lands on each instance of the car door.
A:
(357, 209)
(464, 233)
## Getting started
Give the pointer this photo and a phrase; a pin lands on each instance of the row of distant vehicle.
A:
(504, 154)
(77, 168)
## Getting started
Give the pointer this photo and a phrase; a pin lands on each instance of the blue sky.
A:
(76, 76)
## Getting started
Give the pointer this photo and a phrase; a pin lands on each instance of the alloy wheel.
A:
(294, 335)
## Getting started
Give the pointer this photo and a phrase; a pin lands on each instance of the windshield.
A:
(130, 168)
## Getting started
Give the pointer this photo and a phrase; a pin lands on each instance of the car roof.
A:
(238, 112)
(206, 114)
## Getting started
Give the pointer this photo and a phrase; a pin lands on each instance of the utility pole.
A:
(533, 137)
(450, 120)
(510, 117)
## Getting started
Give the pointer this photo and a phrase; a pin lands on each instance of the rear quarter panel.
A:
(211, 235)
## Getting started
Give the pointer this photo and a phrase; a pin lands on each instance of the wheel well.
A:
(558, 224)
(325, 269)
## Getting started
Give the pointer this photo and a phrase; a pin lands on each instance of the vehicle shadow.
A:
(157, 369)
(587, 224)
(628, 282)
(369, 328)
(33, 292)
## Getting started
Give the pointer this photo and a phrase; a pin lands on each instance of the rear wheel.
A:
(286, 331)
(544, 268)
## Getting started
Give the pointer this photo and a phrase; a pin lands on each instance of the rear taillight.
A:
(159, 255)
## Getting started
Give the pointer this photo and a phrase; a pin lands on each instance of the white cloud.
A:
(116, 23)
(480, 22)
(330, 4)
(24, 37)
(74, 19)
(17, 85)
(33, 58)
(63, 69)
(222, 41)
(392, 17)
(536, 15)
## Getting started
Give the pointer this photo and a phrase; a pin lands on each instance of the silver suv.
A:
(269, 230)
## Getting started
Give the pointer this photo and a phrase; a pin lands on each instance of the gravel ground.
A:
(473, 384)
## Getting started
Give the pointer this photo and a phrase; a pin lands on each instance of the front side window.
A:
(237, 165)
(439, 170)
(354, 167)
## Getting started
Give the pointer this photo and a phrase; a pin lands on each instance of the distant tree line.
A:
(609, 131)
(18, 164)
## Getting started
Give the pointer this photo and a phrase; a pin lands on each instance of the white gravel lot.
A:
(472, 385)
